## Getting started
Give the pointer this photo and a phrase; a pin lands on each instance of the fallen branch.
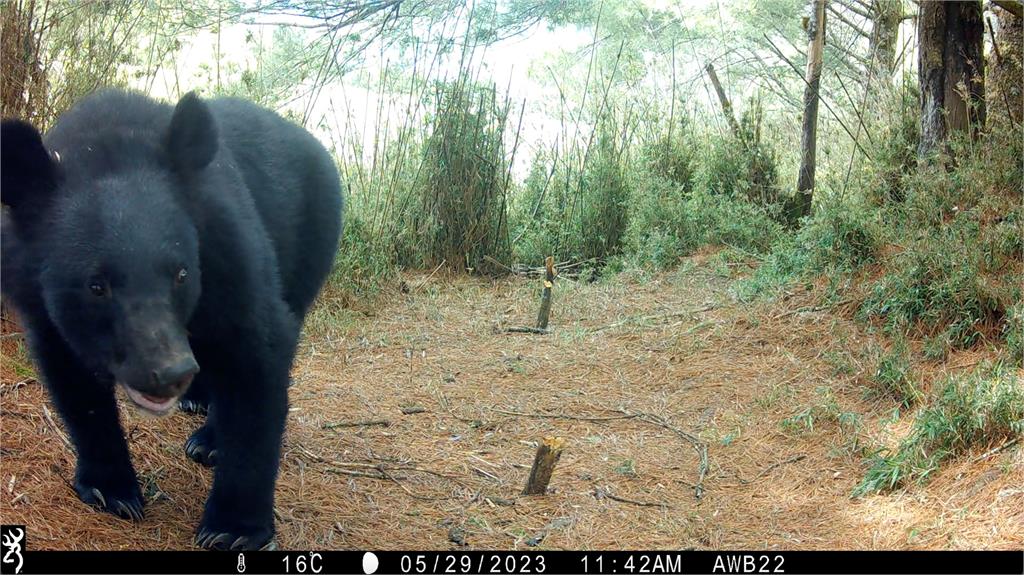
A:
(698, 445)
(420, 285)
(56, 429)
(536, 330)
(378, 467)
(996, 450)
(600, 493)
(647, 318)
(768, 469)
(813, 308)
(354, 473)
(562, 416)
(362, 423)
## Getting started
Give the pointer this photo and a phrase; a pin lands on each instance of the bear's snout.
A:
(175, 377)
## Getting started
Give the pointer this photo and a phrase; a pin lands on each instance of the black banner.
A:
(554, 562)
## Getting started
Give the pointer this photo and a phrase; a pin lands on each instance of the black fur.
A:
(141, 241)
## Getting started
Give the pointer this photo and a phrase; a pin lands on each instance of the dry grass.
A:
(727, 374)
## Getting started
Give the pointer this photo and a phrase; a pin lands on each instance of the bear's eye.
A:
(182, 275)
(97, 289)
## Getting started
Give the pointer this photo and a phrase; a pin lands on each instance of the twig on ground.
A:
(485, 473)
(562, 415)
(768, 469)
(381, 467)
(355, 473)
(420, 285)
(600, 493)
(535, 330)
(56, 429)
(815, 308)
(996, 450)
(698, 445)
(499, 264)
(443, 400)
(361, 423)
(647, 318)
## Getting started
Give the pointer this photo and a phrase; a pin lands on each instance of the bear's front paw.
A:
(193, 406)
(222, 538)
(120, 496)
(201, 447)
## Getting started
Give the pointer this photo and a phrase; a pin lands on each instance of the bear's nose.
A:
(177, 375)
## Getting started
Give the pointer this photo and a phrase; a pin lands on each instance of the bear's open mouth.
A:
(151, 403)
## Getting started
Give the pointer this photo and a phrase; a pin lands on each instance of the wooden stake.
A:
(545, 300)
(548, 453)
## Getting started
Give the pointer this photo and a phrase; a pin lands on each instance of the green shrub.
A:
(465, 177)
(603, 203)
(363, 265)
(672, 158)
(893, 375)
(937, 283)
(1013, 331)
(742, 164)
(839, 238)
(970, 410)
(667, 223)
(896, 137)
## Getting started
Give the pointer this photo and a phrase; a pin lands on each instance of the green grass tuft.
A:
(977, 409)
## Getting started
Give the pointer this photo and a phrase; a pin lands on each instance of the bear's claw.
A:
(200, 453)
(201, 448)
(192, 406)
(208, 539)
(130, 508)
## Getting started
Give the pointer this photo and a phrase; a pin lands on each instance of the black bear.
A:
(168, 250)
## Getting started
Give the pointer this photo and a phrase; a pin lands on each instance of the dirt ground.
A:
(634, 367)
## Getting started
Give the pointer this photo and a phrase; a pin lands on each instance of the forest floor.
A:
(633, 367)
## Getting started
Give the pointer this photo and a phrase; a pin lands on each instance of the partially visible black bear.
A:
(158, 248)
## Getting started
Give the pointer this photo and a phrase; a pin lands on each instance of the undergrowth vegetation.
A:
(976, 409)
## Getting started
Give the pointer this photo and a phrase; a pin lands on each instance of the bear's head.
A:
(100, 229)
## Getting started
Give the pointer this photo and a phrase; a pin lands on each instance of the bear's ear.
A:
(192, 135)
(28, 174)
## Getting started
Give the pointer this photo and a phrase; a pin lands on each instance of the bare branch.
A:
(853, 25)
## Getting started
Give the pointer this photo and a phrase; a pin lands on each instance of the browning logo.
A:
(12, 542)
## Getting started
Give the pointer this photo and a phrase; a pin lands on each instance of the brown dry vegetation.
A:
(729, 374)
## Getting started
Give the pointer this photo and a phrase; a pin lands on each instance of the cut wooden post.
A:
(724, 100)
(548, 453)
(545, 300)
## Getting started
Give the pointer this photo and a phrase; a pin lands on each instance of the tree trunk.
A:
(1006, 75)
(950, 72)
(809, 133)
(886, 17)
